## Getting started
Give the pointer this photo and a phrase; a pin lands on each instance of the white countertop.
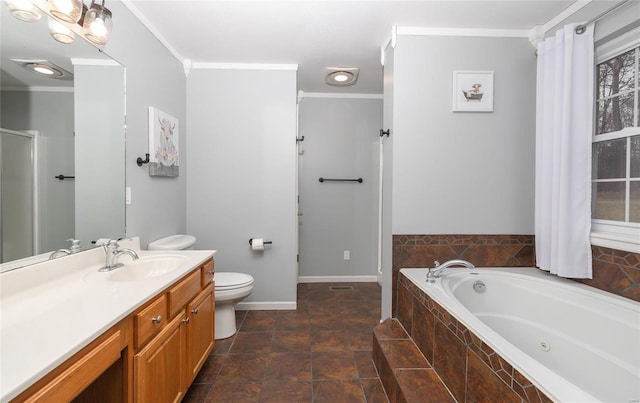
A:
(51, 310)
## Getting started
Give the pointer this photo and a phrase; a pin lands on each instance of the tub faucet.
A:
(75, 247)
(112, 251)
(436, 271)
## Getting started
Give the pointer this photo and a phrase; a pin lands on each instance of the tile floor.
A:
(320, 352)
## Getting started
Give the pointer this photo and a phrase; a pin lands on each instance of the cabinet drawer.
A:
(150, 320)
(181, 293)
(207, 273)
(74, 379)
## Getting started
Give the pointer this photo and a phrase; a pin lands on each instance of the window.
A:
(616, 145)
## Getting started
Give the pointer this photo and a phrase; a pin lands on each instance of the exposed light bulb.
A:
(98, 28)
(44, 70)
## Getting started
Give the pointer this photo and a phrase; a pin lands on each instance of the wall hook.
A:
(141, 161)
(383, 132)
(298, 139)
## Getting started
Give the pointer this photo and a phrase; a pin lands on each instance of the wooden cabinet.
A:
(159, 368)
(165, 366)
(152, 355)
(200, 334)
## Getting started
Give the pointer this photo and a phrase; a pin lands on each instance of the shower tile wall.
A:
(614, 271)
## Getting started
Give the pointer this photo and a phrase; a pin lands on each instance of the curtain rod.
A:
(583, 27)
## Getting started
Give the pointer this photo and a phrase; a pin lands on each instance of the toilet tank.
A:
(173, 242)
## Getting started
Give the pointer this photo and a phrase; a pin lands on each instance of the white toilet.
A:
(230, 289)
(173, 242)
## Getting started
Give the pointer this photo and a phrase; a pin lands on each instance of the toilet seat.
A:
(230, 281)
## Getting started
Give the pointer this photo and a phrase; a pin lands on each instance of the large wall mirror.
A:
(62, 168)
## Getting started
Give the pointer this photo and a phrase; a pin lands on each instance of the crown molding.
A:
(243, 66)
(152, 28)
(302, 95)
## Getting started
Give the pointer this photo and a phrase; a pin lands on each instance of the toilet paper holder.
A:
(265, 242)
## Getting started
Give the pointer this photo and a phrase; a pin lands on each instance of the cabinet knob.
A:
(157, 319)
(194, 311)
(186, 320)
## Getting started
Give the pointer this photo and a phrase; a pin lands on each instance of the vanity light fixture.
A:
(66, 10)
(341, 76)
(60, 32)
(23, 10)
(97, 23)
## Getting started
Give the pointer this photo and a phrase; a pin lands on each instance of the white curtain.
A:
(564, 122)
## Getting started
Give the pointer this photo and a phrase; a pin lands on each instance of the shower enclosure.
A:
(18, 194)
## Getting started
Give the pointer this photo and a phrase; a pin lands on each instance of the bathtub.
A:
(573, 342)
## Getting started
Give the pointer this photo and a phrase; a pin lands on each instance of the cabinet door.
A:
(200, 336)
(159, 371)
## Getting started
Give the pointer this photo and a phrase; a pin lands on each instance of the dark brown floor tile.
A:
(197, 393)
(333, 365)
(254, 342)
(329, 340)
(239, 368)
(321, 308)
(289, 392)
(364, 321)
(291, 342)
(292, 322)
(364, 363)
(326, 322)
(234, 393)
(359, 340)
(288, 367)
(223, 346)
(259, 321)
(210, 369)
(415, 384)
(373, 391)
(240, 315)
(342, 390)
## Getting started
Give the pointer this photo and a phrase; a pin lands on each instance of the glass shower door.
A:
(17, 191)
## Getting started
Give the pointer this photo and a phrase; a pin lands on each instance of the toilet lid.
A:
(231, 280)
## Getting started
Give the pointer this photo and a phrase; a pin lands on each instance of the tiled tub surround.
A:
(614, 271)
(481, 250)
(473, 371)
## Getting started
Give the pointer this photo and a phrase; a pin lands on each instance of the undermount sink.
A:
(145, 268)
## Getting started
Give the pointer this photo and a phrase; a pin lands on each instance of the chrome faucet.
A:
(75, 247)
(436, 271)
(112, 250)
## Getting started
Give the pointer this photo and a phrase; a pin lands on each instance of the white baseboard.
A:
(337, 279)
(266, 306)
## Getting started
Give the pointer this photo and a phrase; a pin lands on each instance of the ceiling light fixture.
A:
(44, 69)
(23, 10)
(66, 10)
(97, 23)
(341, 76)
(60, 32)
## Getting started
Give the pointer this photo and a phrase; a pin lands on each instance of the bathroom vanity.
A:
(138, 333)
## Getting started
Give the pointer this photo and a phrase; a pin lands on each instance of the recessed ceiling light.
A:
(44, 69)
(341, 76)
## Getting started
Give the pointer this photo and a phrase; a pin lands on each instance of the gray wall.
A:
(51, 113)
(463, 173)
(241, 178)
(340, 141)
(154, 77)
(99, 152)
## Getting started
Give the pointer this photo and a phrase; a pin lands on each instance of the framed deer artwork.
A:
(164, 158)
